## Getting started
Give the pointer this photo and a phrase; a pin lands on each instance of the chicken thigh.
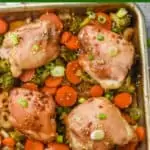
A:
(33, 114)
(97, 118)
(31, 46)
(106, 57)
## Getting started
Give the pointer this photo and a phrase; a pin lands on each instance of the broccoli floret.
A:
(68, 55)
(4, 66)
(75, 24)
(6, 81)
(120, 23)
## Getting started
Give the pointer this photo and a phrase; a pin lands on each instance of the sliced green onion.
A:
(116, 30)
(35, 47)
(135, 113)
(81, 100)
(91, 14)
(101, 19)
(19, 146)
(113, 52)
(23, 102)
(58, 71)
(97, 135)
(14, 38)
(85, 22)
(59, 139)
(102, 116)
(100, 37)
(91, 57)
(122, 12)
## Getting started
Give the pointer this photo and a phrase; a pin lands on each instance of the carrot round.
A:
(52, 18)
(73, 43)
(140, 131)
(71, 72)
(33, 145)
(123, 100)
(66, 96)
(30, 86)
(48, 90)
(96, 91)
(57, 146)
(108, 23)
(27, 75)
(53, 81)
(65, 37)
(9, 142)
(3, 26)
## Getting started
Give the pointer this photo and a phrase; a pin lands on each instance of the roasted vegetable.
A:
(6, 81)
(68, 55)
(120, 21)
(4, 66)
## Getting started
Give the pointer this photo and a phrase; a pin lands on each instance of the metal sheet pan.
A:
(23, 10)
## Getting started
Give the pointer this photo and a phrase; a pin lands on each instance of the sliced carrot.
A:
(108, 23)
(27, 75)
(3, 26)
(73, 43)
(30, 86)
(130, 146)
(128, 119)
(9, 142)
(48, 90)
(52, 18)
(96, 91)
(140, 131)
(65, 37)
(71, 72)
(53, 81)
(57, 146)
(123, 100)
(33, 145)
(66, 96)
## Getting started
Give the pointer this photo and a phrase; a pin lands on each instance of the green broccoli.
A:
(6, 81)
(75, 24)
(120, 22)
(4, 66)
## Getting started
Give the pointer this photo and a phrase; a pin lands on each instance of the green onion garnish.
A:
(23, 102)
(102, 116)
(58, 71)
(97, 135)
(90, 57)
(59, 139)
(91, 14)
(81, 100)
(35, 47)
(100, 37)
(14, 38)
(101, 19)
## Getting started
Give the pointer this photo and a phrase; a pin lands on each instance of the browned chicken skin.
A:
(83, 121)
(31, 46)
(112, 56)
(37, 120)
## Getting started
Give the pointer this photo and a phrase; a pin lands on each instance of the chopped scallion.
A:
(100, 37)
(102, 116)
(81, 100)
(59, 139)
(97, 135)
(58, 71)
(23, 102)
(101, 19)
